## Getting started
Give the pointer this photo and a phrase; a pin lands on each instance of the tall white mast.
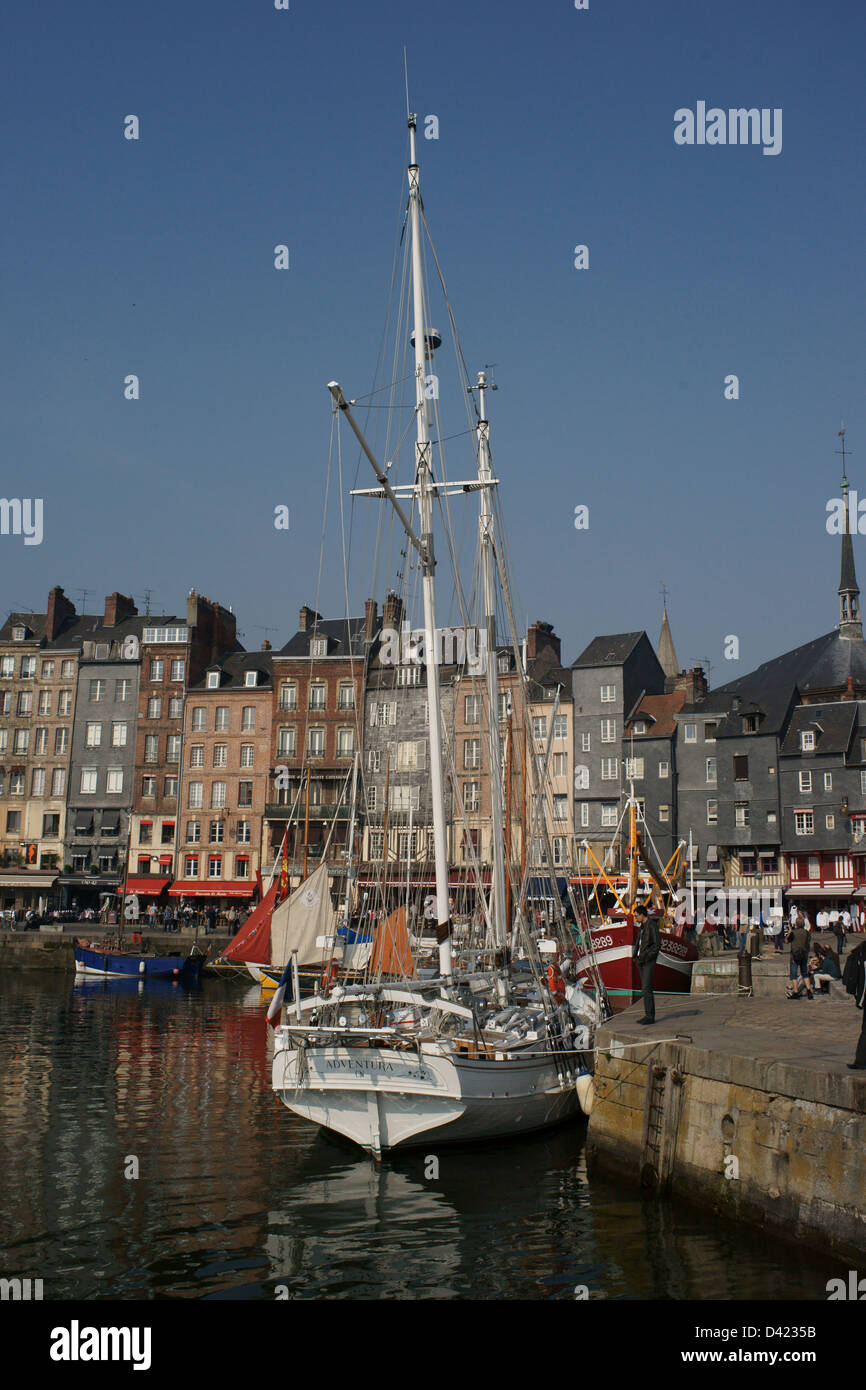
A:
(485, 477)
(423, 480)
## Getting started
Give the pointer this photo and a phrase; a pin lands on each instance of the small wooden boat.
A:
(119, 963)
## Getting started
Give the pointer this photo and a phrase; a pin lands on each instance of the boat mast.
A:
(485, 527)
(424, 346)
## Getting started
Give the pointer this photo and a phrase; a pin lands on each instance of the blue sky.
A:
(556, 128)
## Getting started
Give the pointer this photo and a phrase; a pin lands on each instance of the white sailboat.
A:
(481, 1050)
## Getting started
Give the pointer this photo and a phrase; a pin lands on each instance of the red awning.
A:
(153, 885)
(212, 888)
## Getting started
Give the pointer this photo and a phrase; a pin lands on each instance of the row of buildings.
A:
(154, 755)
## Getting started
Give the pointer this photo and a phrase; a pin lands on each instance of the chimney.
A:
(693, 682)
(392, 613)
(309, 617)
(59, 609)
(539, 636)
(118, 607)
(371, 613)
(266, 646)
(849, 690)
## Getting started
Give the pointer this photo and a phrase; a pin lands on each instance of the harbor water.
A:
(143, 1156)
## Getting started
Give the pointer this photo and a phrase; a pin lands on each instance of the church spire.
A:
(850, 624)
(666, 654)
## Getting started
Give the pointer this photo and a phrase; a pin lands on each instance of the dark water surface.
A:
(236, 1197)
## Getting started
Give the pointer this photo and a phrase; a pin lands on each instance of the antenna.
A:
(147, 594)
(706, 663)
(406, 74)
(84, 593)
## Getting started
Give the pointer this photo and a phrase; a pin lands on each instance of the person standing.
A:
(854, 980)
(798, 936)
(645, 953)
(842, 927)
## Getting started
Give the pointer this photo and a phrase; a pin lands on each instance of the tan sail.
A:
(306, 923)
(392, 954)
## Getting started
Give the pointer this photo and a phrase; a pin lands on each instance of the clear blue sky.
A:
(556, 128)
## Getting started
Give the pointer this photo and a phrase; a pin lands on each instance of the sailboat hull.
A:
(385, 1099)
(613, 944)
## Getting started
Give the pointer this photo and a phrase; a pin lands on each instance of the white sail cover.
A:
(306, 923)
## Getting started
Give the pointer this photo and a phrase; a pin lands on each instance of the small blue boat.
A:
(130, 964)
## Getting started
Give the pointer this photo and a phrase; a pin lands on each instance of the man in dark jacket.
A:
(645, 953)
(799, 939)
(854, 981)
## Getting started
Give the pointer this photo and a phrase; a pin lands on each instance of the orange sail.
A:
(392, 953)
(252, 944)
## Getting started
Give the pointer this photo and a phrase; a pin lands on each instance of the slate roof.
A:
(345, 638)
(233, 668)
(832, 724)
(609, 651)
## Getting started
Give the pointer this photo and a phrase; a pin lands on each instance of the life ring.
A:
(330, 975)
(556, 984)
(136, 938)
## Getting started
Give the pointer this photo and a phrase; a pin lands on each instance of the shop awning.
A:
(153, 884)
(27, 880)
(110, 822)
(212, 888)
(816, 891)
(83, 822)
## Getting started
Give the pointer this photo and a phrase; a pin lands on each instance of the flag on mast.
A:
(276, 1003)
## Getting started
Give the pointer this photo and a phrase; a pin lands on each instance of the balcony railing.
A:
(320, 810)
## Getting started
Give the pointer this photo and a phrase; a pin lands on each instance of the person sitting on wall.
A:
(824, 967)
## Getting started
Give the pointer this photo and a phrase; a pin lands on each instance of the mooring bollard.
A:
(744, 962)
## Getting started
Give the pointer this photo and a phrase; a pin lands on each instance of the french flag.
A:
(278, 1000)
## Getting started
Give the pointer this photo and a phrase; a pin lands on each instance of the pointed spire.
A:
(666, 654)
(850, 624)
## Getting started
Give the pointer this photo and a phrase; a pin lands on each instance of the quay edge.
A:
(749, 1111)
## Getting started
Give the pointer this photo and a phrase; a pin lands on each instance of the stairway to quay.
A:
(740, 1100)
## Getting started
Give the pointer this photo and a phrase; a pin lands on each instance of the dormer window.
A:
(19, 634)
(213, 680)
(504, 665)
(319, 646)
(251, 677)
(750, 723)
(807, 741)
(640, 726)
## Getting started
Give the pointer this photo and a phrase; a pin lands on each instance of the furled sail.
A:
(252, 944)
(392, 953)
(306, 923)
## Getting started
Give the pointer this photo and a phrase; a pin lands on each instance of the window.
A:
(383, 714)
(213, 680)
(151, 748)
(79, 863)
(122, 690)
(37, 782)
(345, 743)
(583, 813)
(196, 755)
(64, 702)
(97, 690)
(405, 798)
(560, 764)
(114, 780)
(377, 844)
(45, 702)
(157, 667)
(221, 717)
(504, 704)
(830, 822)
(318, 646)
(608, 813)
(288, 695)
(190, 866)
(217, 795)
(198, 718)
(214, 866)
(828, 781)
(50, 826)
(539, 728)
(220, 755)
(804, 824)
(712, 813)
(144, 864)
(93, 737)
(248, 718)
(28, 666)
(710, 732)
(472, 796)
(814, 866)
(748, 864)
(471, 706)
(247, 754)
(16, 784)
(504, 665)
(863, 781)
(169, 787)
(145, 834)
(741, 768)
(408, 675)
(148, 786)
(154, 707)
(244, 832)
(750, 723)
(711, 770)
(634, 768)
(407, 845)
(167, 833)
(40, 741)
(165, 634)
(88, 781)
(193, 832)
(608, 769)
(411, 757)
(372, 799)
(25, 702)
(805, 781)
(245, 793)
(178, 668)
(690, 733)
(585, 743)
(472, 753)
(560, 726)
(172, 748)
(741, 813)
(317, 696)
(58, 781)
(61, 740)
(21, 741)
(346, 697)
(560, 808)
(242, 866)
(67, 669)
(175, 707)
(194, 795)
(608, 694)
(287, 742)
(664, 769)
(608, 731)
(664, 814)
(119, 735)
(470, 844)
(639, 726)
(316, 743)
(374, 760)
(640, 807)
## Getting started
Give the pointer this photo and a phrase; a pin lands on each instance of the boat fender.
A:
(329, 976)
(585, 1088)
